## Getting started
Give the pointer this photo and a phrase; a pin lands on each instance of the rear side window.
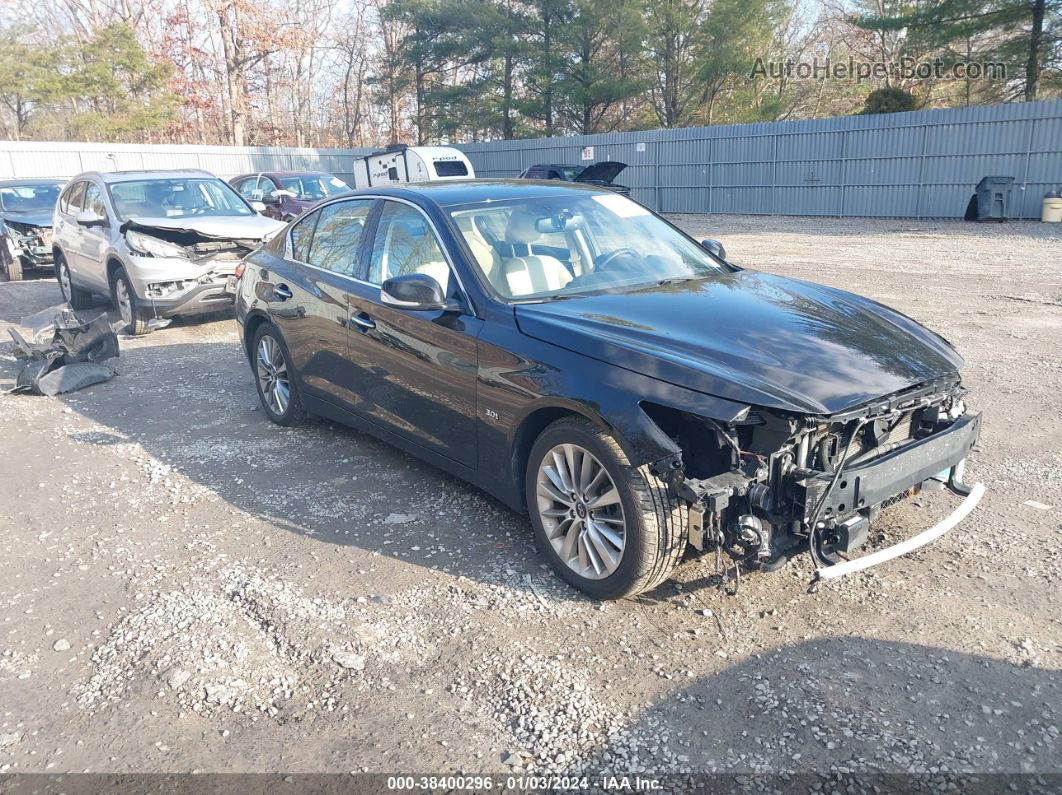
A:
(245, 187)
(450, 168)
(335, 241)
(301, 235)
(70, 201)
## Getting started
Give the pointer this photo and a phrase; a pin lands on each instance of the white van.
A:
(402, 163)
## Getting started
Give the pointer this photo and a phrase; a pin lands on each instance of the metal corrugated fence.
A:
(35, 159)
(919, 164)
(922, 164)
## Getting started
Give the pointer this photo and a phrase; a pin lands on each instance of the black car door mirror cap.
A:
(714, 247)
(416, 291)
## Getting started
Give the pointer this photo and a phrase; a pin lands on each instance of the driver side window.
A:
(94, 201)
(405, 243)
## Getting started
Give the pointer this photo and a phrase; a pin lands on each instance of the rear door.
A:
(67, 231)
(417, 369)
(311, 305)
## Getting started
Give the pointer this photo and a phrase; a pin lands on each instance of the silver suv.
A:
(157, 243)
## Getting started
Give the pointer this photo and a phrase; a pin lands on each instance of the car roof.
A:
(553, 165)
(284, 174)
(466, 191)
(10, 183)
(111, 177)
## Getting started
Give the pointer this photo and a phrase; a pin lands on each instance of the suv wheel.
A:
(11, 266)
(125, 302)
(75, 296)
(275, 378)
(609, 529)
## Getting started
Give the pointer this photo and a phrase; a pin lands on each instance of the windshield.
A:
(176, 198)
(311, 187)
(28, 198)
(574, 244)
(571, 172)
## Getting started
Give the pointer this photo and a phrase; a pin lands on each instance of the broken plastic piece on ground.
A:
(155, 323)
(66, 353)
(71, 377)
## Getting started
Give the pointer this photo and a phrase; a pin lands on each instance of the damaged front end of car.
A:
(185, 267)
(29, 242)
(770, 484)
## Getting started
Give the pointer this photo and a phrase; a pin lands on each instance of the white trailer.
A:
(401, 163)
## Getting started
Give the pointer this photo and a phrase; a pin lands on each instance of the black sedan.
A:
(579, 357)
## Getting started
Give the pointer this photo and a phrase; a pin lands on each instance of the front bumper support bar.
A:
(911, 544)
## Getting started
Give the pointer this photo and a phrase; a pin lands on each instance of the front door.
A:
(92, 240)
(419, 367)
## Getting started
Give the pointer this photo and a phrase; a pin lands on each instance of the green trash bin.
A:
(993, 198)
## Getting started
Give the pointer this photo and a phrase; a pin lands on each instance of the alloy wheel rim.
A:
(581, 511)
(125, 307)
(272, 372)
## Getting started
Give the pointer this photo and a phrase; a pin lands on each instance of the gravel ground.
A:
(184, 586)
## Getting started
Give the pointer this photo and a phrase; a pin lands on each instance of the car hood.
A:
(606, 171)
(751, 337)
(230, 227)
(38, 218)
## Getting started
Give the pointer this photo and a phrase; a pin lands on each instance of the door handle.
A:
(363, 320)
(281, 292)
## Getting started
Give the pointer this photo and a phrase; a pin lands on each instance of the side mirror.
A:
(89, 218)
(415, 291)
(258, 206)
(714, 247)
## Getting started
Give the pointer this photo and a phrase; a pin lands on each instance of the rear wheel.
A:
(275, 378)
(75, 296)
(608, 528)
(125, 302)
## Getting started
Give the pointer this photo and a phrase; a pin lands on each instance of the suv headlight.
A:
(152, 246)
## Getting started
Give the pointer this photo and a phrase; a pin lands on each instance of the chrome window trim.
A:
(288, 249)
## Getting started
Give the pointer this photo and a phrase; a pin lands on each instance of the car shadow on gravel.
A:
(857, 704)
(193, 408)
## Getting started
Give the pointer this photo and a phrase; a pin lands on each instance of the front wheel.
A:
(13, 269)
(125, 300)
(609, 529)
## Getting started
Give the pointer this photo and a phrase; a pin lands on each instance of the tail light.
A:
(239, 270)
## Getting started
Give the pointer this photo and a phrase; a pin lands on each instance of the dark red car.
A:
(287, 194)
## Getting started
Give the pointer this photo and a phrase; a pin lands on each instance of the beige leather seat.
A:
(525, 273)
(485, 255)
(439, 271)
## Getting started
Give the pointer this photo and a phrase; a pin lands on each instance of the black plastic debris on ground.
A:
(72, 356)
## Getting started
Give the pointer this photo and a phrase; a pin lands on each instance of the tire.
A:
(75, 296)
(125, 301)
(289, 412)
(14, 269)
(655, 525)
